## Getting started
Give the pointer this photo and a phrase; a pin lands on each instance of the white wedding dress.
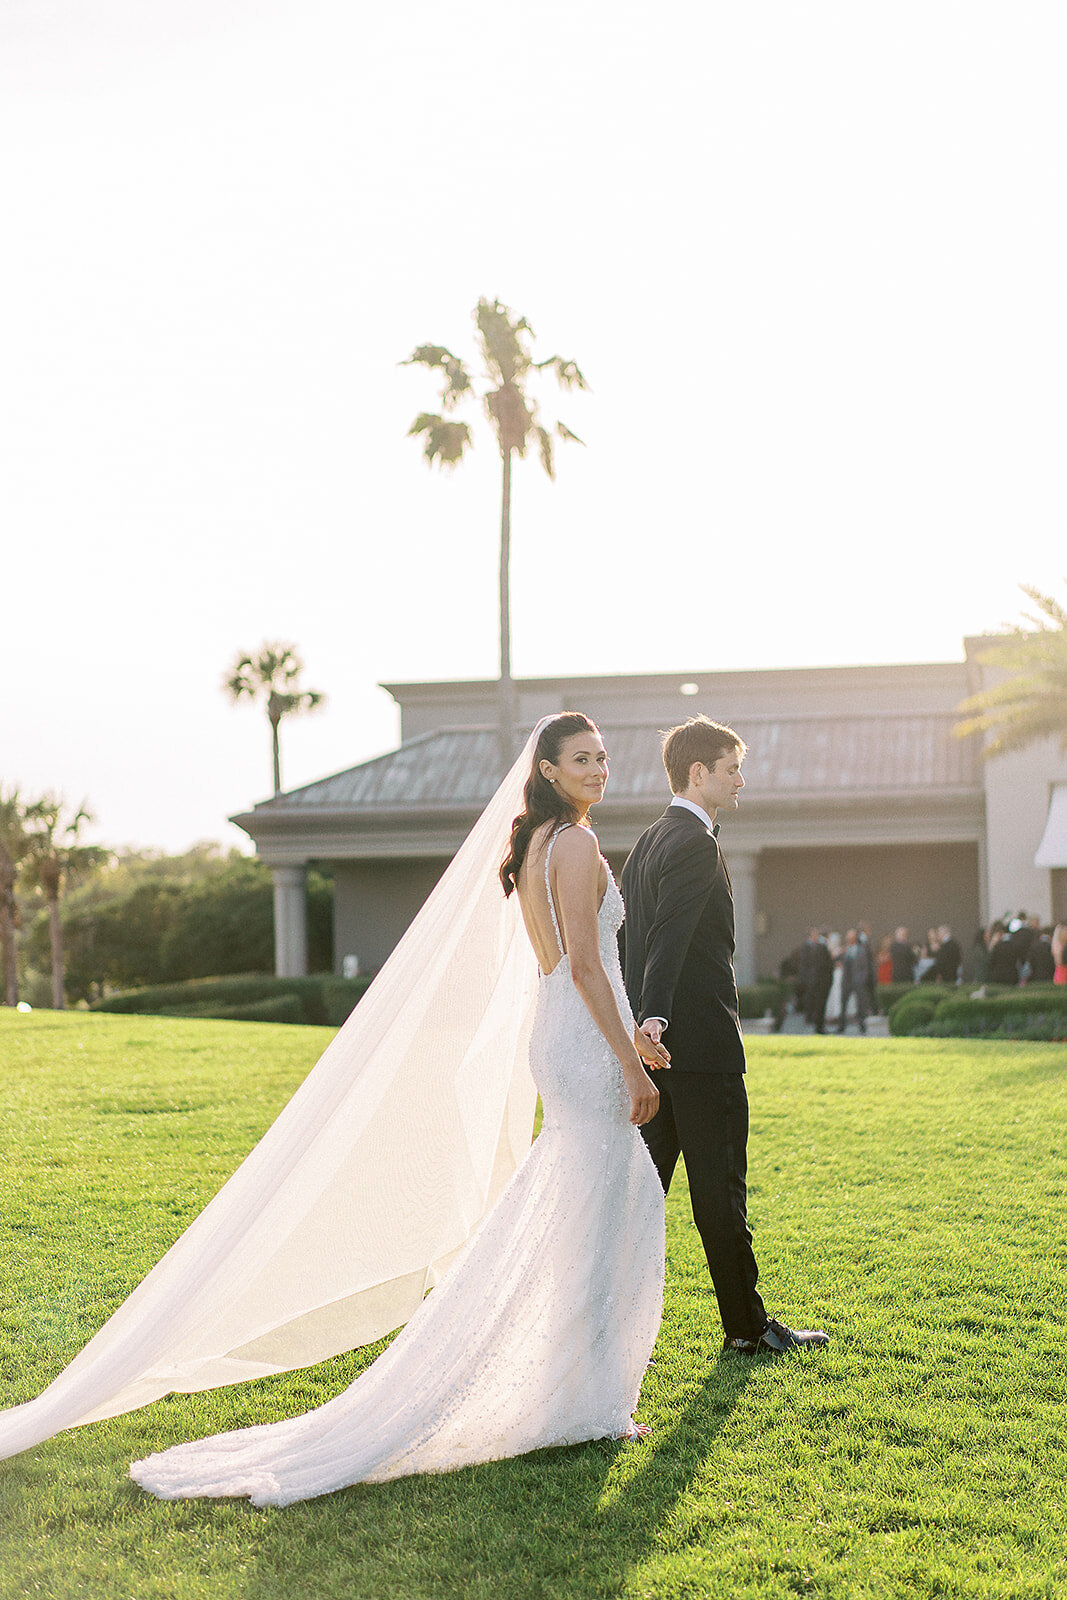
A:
(539, 1333)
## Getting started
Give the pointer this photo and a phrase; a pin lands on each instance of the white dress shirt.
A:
(698, 811)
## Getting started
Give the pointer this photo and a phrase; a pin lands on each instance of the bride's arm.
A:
(576, 865)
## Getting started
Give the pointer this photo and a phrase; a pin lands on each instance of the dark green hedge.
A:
(910, 1012)
(756, 999)
(322, 1000)
(1035, 1025)
(282, 1008)
(887, 994)
(989, 1015)
(1036, 1011)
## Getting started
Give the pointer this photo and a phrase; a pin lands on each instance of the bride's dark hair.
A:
(540, 801)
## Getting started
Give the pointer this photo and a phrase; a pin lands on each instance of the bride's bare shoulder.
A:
(576, 847)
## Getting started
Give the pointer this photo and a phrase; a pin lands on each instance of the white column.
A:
(742, 865)
(290, 922)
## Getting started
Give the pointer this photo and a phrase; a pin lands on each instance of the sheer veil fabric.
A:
(367, 1185)
(537, 1336)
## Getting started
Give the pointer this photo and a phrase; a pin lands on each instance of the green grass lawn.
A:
(907, 1194)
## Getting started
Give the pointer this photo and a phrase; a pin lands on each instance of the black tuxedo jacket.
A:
(816, 967)
(679, 942)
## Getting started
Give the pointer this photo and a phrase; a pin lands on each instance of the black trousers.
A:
(704, 1117)
(815, 1006)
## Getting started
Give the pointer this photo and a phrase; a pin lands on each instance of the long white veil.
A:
(371, 1179)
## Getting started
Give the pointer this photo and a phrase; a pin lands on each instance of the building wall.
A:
(920, 886)
(373, 904)
(1059, 894)
(725, 696)
(1018, 788)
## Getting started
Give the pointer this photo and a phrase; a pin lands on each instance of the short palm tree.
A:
(54, 858)
(1030, 703)
(504, 342)
(12, 849)
(273, 675)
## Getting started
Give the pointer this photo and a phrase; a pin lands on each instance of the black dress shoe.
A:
(776, 1339)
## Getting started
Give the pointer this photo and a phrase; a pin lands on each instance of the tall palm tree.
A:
(272, 675)
(12, 849)
(54, 859)
(1030, 703)
(504, 344)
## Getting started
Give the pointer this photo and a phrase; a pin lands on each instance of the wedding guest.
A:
(978, 962)
(1042, 965)
(884, 968)
(1059, 952)
(1003, 967)
(948, 958)
(924, 967)
(1022, 937)
(855, 980)
(816, 977)
(902, 955)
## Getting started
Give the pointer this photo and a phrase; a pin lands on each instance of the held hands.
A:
(644, 1096)
(647, 1039)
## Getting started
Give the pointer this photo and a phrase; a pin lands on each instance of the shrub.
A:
(280, 1008)
(910, 1012)
(340, 997)
(1034, 1025)
(321, 1000)
(161, 997)
(886, 995)
(756, 999)
(1038, 1011)
(1011, 1007)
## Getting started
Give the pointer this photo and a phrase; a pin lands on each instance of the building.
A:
(860, 804)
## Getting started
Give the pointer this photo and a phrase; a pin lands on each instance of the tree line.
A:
(78, 921)
(125, 919)
(41, 852)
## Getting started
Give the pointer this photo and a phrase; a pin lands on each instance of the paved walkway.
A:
(877, 1027)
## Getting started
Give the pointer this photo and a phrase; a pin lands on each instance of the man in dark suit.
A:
(949, 957)
(679, 973)
(816, 979)
(902, 955)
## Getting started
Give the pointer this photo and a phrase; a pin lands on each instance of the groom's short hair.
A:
(699, 739)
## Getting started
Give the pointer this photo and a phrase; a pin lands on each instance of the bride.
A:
(392, 1171)
(540, 1331)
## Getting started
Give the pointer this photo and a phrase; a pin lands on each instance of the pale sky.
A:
(811, 258)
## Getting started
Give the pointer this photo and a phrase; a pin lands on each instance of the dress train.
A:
(540, 1332)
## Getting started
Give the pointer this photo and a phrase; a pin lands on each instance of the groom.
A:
(679, 947)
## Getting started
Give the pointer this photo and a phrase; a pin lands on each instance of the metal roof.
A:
(797, 754)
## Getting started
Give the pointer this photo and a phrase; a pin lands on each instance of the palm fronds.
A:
(457, 378)
(1030, 702)
(444, 442)
(272, 675)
